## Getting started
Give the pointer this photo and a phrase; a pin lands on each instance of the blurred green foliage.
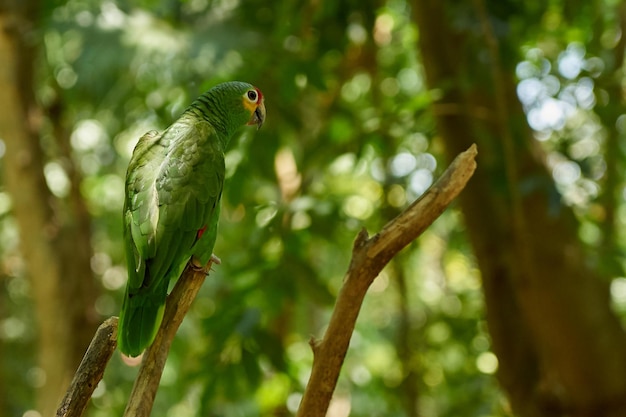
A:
(348, 143)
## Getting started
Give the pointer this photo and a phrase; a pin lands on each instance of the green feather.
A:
(173, 189)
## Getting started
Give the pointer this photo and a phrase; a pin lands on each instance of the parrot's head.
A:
(237, 104)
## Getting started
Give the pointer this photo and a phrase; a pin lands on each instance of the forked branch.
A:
(369, 257)
(103, 345)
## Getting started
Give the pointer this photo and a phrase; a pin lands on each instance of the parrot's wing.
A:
(140, 203)
(176, 203)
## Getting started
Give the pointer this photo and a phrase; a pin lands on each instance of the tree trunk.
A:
(561, 350)
(62, 284)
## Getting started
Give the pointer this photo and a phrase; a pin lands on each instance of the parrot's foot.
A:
(195, 264)
(215, 260)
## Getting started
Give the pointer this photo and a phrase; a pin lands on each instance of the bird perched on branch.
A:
(173, 188)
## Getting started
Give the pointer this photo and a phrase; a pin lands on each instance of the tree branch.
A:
(369, 257)
(104, 342)
(90, 370)
(178, 303)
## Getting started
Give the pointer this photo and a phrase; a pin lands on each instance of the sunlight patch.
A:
(487, 363)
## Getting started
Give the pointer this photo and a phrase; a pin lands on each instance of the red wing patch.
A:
(200, 232)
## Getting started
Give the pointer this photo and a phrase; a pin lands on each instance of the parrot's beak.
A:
(258, 117)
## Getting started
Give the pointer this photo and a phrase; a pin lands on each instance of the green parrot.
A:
(173, 188)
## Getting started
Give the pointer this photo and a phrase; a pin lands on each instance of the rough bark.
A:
(90, 370)
(561, 350)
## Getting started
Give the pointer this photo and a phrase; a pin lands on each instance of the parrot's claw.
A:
(132, 360)
(196, 266)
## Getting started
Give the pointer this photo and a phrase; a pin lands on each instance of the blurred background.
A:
(512, 303)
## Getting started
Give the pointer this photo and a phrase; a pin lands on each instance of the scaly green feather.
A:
(173, 189)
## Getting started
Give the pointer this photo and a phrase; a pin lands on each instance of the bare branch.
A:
(178, 303)
(90, 370)
(369, 257)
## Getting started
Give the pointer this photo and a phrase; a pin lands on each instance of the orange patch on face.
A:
(248, 105)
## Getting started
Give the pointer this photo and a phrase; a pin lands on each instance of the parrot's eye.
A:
(252, 96)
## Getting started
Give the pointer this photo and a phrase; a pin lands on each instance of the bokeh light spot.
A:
(487, 363)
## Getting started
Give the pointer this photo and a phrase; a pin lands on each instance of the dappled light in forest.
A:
(559, 94)
(367, 104)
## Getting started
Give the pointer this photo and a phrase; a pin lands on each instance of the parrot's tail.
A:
(139, 321)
